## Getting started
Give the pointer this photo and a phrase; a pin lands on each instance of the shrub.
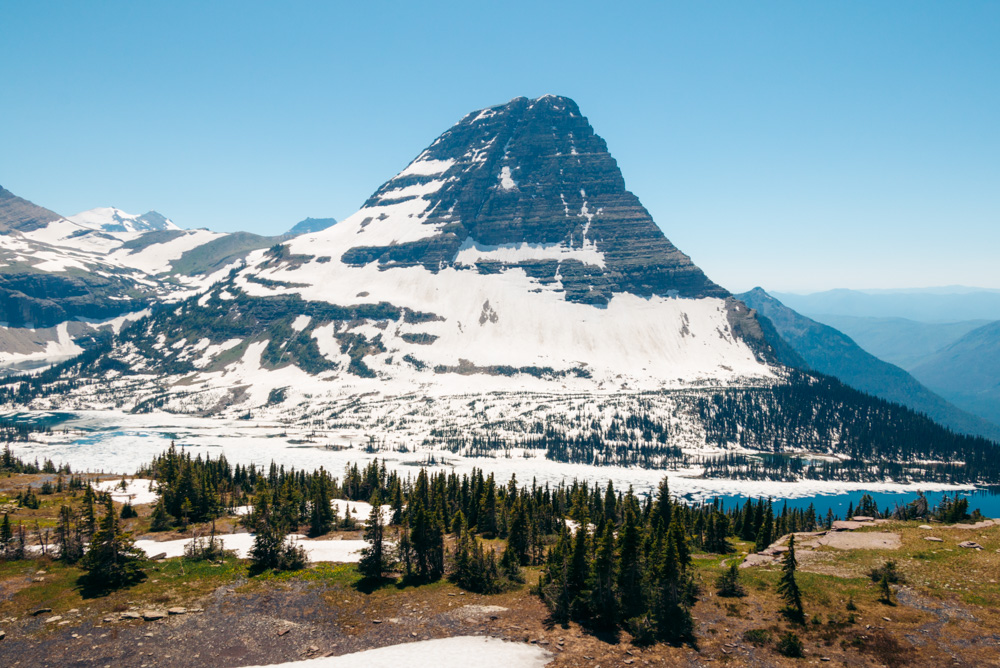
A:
(757, 636)
(728, 584)
(790, 645)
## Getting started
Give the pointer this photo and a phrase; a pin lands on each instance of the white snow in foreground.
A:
(139, 491)
(458, 652)
(339, 551)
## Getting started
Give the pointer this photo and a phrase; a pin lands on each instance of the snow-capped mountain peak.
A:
(112, 220)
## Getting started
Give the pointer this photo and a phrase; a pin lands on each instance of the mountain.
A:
(503, 296)
(507, 254)
(109, 219)
(311, 225)
(933, 305)
(967, 372)
(64, 279)
(831, 352)
(905, 343)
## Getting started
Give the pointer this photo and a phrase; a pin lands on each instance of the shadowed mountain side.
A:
(968, 372)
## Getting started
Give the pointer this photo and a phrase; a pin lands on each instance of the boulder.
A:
(970, 544)
(933, 539)
(153, 615)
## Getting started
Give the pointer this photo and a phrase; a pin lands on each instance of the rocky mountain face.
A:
(828, 351)
(530, 185)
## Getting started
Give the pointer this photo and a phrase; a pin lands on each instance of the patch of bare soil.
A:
(874, 540)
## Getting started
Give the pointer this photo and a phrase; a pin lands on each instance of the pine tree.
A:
(603, 594)
(630, 572)
(374, 563)
(6, 535)
(518, 534)
(728, 584)
(113, 560)
(88, 519)
(320, 512)
(885, 589)
(670, 610)
(69, 541)
(765, 534)
(788, 588)
(510, 566)
(160, 519)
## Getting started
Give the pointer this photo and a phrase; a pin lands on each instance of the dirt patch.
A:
(875, 540)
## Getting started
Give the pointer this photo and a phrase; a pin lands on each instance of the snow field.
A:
(139, 491)
(457, 652)
(338, 551)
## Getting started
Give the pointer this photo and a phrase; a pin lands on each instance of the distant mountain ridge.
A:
(311, 225)
(900, 341)
(110, 219)
(831, 352)
(932, 306)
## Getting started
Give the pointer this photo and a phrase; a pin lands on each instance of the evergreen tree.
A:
(6, 535)
(113, 560)
(885, 589)
(160, 520)
(374, 563)
(603, 594)
(788, 588)
(670, 610)
(320, 511)
(765, 534)
(728, 584)
(270, 549)
(88, 518)
(630, 586)
(68, 538)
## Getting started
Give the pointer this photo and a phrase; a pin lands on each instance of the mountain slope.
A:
(311, 225)
(968, 372)
(830, 352)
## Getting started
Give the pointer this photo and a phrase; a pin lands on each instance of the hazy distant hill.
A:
(968, 372)
(829, 351)
(951, 304)
(905, 343)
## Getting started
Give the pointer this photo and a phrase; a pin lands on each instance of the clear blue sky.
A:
(799, 146)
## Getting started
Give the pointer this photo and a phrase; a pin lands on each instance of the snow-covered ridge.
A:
(110, 219)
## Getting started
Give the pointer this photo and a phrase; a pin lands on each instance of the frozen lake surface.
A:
(112, 442)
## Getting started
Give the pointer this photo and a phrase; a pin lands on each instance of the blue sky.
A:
(798, 146)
